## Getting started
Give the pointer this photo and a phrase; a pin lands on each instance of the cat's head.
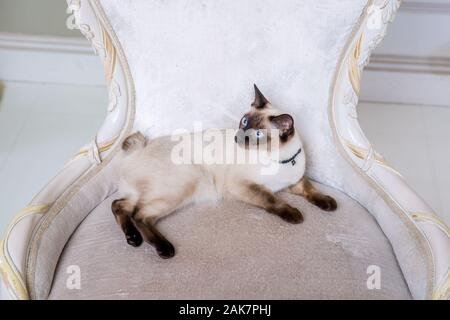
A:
(259, 125)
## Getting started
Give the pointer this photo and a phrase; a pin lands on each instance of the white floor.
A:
(42, 125)
(415, 140)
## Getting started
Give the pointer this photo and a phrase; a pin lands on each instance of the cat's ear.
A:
(284, 123)
(260, 101)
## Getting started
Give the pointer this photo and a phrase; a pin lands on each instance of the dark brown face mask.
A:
(254, 127)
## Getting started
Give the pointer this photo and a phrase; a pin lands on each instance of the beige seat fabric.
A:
(235, 251)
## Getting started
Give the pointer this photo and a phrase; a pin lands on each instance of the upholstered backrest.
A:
(196, 61)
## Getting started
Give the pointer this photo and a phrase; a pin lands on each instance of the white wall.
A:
(35, 17)
(36, 45)
(412, 64)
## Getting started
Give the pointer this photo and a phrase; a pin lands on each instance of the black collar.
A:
(291, 159)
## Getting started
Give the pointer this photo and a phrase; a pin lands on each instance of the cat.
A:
(153, 185)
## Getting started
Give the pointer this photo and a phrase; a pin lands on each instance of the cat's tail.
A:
(133, 142)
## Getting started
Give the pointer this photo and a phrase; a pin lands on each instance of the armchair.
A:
(169, 64)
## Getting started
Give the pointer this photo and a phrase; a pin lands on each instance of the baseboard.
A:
(434, 7)
(407, 80)
(389, 78)
(48, 60)
(412, 64)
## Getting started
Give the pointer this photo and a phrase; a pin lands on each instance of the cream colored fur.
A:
(149, 175)
(158, 176)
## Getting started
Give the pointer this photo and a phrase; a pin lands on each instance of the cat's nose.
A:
(240, 136)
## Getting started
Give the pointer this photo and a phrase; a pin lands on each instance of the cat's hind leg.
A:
(145, 218)
(123, 210)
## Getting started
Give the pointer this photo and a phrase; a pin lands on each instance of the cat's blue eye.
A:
(244, 121)
(259, 134)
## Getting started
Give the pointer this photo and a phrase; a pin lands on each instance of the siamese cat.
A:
(152, 185)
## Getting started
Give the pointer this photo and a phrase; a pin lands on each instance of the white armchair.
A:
(169, 64)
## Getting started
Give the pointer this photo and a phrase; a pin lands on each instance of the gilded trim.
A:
(11, 277)
(363, 154)
(431, 218)
(9, 272)
(109, 62)
(354, 72)
(34, 208)
(102, 147)
(442, 291)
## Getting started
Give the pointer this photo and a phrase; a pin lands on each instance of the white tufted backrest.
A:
(197, 60)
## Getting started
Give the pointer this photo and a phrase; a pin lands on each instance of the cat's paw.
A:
(134, 238)
(324, 202)
(165, 249)
(290, 214)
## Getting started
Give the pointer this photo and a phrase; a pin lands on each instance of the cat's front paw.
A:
(324, 202)
(134, 238)
(165, 249)
(290, 214)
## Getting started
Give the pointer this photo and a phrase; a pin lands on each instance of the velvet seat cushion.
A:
(231, 250)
